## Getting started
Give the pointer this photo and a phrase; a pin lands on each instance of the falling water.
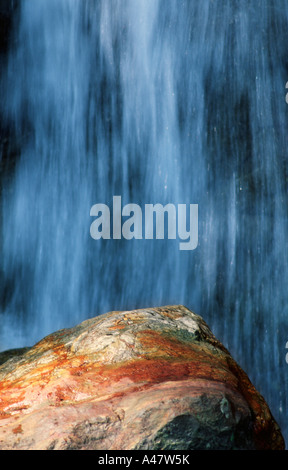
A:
(158, 101)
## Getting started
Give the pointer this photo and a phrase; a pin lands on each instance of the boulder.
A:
(150, 379)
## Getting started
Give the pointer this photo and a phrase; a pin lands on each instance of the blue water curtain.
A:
(156, 101)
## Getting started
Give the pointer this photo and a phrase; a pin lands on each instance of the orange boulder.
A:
(146, 379)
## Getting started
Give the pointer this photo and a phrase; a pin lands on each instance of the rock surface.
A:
(146, 379)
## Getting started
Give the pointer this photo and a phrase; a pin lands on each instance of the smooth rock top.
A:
(154, 378)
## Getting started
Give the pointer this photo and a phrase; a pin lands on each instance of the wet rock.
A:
(12, 353)
(145, 379)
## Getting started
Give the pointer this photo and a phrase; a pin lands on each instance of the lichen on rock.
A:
(153, 378)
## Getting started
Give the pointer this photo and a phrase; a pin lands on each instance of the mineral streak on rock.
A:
(145, 379)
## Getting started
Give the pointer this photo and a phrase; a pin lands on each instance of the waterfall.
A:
(156, 101)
